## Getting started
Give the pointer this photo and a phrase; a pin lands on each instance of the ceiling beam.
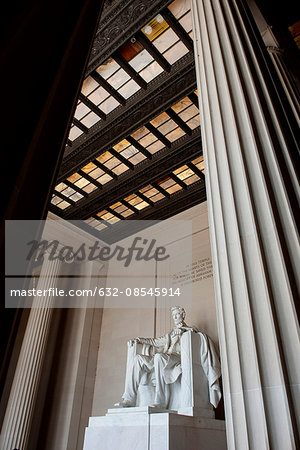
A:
(92, 106)
(156, 55)
(178, 28)
(129, 70)
(105, 84)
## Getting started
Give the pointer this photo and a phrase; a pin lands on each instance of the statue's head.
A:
(178, 314)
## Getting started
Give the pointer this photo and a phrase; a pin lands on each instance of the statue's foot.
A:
(124, 404)
(158, 405)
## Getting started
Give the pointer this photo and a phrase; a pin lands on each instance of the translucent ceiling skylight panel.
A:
(181, 105)
(159, 120)
(175, 134)
(108, 68)
(186, 22)
(129, 152)
(81, 183)
(112, 162)
(183, 172)
(81, 110)
(116, 166)
(155, 27)
(194, 123)
(90, 119)
(174, 188)
(147, 140)
(146, 190)
(136, 159)
(91, 221)
(74, 177)
(141, 60)
(98, 95)
(118, 79)
(89, 167)
(104, 215)
(179, 7)
(88, 86)
(89, 188)
(176, 52)
(152, 193)
(130, 49)
(188, 113)
(166, 183)
(109, 105)
(60, 187)
(104, 178)
(96, 173)
(138, 134)
(136, 201)
(55, 200)
(157, 197)
(167, 127)
(121, 168)
(129, 88)
(170, 186)
(142, 205)
(63, 205)
(166, 40)
(120, 146)
(199, 162)
(118, 207)
(68, 191)
(104, 157)
(155, 147)
(74, 133)
(127, 212)
(192, 179)
(76, 196)
(152, 71)
(114, 219)
(100, 226)
(108, 217)
(131, 198)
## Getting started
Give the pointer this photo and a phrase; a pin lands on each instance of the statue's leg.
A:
(140, 365)
(162, 390)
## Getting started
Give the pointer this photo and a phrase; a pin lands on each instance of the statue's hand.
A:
(134, 341)
(186, 328)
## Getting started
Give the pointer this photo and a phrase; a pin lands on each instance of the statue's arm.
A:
(154, 342)
(187, 328)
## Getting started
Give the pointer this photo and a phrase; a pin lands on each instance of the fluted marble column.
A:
(17, 421)
(249, 146)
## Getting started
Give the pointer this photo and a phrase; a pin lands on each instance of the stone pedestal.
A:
(147, 428)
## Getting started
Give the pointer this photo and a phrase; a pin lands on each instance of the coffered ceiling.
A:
(134, 144)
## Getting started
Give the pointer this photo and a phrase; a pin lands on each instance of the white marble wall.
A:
(120, 324)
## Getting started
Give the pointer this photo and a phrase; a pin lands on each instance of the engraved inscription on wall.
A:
(197, 271)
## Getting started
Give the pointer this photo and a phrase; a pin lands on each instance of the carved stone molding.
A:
(120, 20)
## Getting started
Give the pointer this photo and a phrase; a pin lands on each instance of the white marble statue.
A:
(158, 363)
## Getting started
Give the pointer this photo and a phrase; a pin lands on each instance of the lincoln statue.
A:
(158, 364)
